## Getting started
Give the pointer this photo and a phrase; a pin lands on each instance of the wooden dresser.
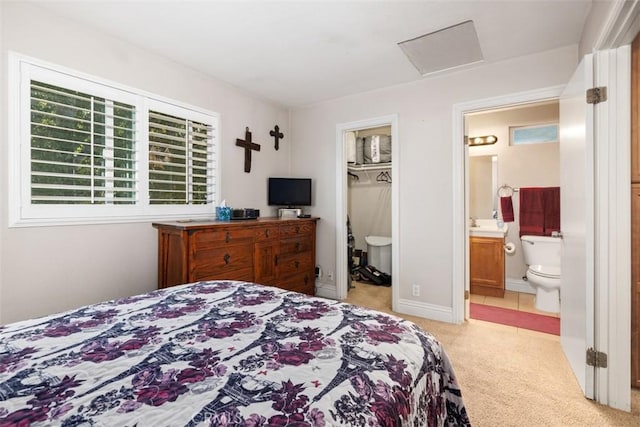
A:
(270, 251)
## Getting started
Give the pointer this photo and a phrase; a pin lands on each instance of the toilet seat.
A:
(542, 281)
(545, 271)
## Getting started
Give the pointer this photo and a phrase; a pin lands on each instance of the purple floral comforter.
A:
(224, 354)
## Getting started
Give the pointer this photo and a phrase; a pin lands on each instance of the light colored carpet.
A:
(508, 376)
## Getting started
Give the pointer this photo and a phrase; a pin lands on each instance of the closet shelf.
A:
(369, 167)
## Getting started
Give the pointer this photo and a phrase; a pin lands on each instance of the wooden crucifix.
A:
(248, 146)
(277, 135)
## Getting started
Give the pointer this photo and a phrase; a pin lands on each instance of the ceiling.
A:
(295, 53)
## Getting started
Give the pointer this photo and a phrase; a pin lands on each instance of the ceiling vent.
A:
(445, 49)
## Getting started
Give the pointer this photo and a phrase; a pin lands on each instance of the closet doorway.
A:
(367, 195)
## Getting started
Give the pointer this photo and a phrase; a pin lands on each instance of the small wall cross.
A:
(248, 146)
(277, 135)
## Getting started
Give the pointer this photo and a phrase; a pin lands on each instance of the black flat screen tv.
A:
(289, 192)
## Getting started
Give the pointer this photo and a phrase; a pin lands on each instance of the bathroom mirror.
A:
(483, 186)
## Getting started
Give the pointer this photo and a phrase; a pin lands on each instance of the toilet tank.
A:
(379, 252)
(541, 250)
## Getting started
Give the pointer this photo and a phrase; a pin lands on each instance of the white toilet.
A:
(542, 255)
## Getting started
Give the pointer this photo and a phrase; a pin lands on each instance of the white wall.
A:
(425, 111)
(593, 26)
(369, 208)
(49, 269)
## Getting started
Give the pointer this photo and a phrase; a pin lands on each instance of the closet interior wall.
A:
(368, 198)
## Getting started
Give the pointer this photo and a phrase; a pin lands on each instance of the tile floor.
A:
(521, 301)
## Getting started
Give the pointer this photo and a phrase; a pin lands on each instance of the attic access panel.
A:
(444, 49)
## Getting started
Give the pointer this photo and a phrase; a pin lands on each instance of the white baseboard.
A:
(404, 306)
(428, 311)
(326, 290)
(519, 285)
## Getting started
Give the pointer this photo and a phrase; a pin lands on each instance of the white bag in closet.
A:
(350, 141)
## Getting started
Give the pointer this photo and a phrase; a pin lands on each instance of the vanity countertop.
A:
(488, 228)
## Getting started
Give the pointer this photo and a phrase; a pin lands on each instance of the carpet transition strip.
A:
(519, 319)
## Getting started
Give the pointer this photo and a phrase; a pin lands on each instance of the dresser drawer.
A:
(219, 262)
(295, 245)
(203, 239)
(305, 228)
(295, 264)
(303, 283)
(244, 274)
(263, 234)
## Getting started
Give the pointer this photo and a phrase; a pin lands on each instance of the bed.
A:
(225, 353)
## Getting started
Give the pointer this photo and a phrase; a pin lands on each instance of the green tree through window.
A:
(82, 148)
(177, 160)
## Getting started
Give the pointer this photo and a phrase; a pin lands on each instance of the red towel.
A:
(531, 211)
(539, 211)
(506, 206)
(551, 210)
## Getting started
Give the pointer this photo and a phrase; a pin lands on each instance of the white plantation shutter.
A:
(83, 150)
(180, 160)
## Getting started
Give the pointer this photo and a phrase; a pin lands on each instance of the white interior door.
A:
(577, 221)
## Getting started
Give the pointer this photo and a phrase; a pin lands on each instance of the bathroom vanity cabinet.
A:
(486, 266)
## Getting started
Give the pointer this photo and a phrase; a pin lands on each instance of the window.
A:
(82, 148)
(537, 134)
(178, 156)
(89, 151)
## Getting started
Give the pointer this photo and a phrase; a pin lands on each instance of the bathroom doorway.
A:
(367, 190)
(510, 147)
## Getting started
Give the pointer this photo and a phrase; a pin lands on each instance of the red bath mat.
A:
(519, 319)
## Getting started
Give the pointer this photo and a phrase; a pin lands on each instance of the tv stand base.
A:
(289, 213)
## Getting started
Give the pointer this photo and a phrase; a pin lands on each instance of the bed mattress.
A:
(225, 353)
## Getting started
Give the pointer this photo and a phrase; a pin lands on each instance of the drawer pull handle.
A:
(306, 279)
(297, 229)
(227, 237)
(227, 257)
(275, 258)
(267, 233)
(297, 246)
(297, 263)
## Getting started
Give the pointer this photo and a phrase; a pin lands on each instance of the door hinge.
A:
(596, 359)
(466, 295)
(596, 95)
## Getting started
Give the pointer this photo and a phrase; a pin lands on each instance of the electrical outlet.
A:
(330, 276)
(415, 290)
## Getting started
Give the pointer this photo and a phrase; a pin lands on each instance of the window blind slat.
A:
(179, 155)
(82, 147)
